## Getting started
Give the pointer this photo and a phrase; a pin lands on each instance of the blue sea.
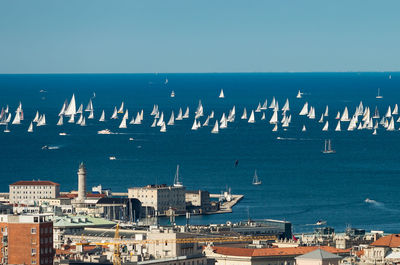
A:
(299, 183)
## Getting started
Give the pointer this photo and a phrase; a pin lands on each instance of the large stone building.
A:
(158, 199)
(26, 239)
(318, 257)
(385, 250)
(30, 192)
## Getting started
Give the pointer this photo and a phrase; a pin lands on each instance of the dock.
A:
(226, 207)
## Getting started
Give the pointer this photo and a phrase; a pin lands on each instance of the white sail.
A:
(374, 133)
(311, 113)
(325, 128)
(215, 128)
(163, 127)
(391, 125)
(251, 119)
(304, 110)
(376, 113)
(395, 110)
(379, 94)
(80, 109)
(244, 115)
(172, 94)
(154, 123)
(263, 116)
(258, 109)
(36, 119)
(265, 105)
(212, 115)
(17, 118)
(89, 106)
(138, 119)
(360, 126)
(30, 129)
(115, 114)
(337, 116)
(155, 110)
(221, 94)
(126, 115)
(80, 119)
(60, 121)
(326, 113)
(103, 116)
(64, 106)
(42, 120)
(180, 115)
(161, 120)
(223, 122)
(194, 126)
(274, 118)
(207, 121)
(83, 123)
(71, 118)
(171, 119)
(122, 125)
(299, 94)
(91, 115)
(275, 129)
(345, 115)
(286, 106)
(388, 113)
(338, 129)
(321, 120)
(121, 108)
(71, 109)
(186, 115)
(8, 118)
(273, 102)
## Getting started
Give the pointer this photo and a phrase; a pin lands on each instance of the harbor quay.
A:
(40, 224)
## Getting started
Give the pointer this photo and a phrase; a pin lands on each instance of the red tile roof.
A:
(34, 182)
(264, 252)
(392, 241)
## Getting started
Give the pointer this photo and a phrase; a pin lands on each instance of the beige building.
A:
(158, 199)
(30, 192)
(385, 250)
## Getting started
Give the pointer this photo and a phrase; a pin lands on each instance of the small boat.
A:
(172, 94)
(299, 94)
(328, 147)
(62, 134)
(121, 108)
(177, 183)
(30, 129)
(251, 119)
(304, 129)
(215, 129)
(112, 158)
(320, 222)
(221, 94)
(379, 94)
(256, 180)
(105, 131)
(45, 147)
(163, 127)
(6, 130)
(130, 139)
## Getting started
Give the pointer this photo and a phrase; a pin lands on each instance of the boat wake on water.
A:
(283, 138)
(379, 205)
(51, 147)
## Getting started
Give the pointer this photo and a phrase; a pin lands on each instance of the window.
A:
(33, 261)
(33, 251)
(33, 241)
(33, 230)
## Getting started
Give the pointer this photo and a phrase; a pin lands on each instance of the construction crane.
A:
(117, 242)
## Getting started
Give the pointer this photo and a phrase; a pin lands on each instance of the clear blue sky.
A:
(96, 36)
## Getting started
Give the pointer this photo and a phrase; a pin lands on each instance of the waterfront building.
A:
(385, 250)
(30, 192)
(26, 239)
(198, 201)
(158, 199)
(123, 209)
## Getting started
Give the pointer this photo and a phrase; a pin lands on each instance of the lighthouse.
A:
(81, 183)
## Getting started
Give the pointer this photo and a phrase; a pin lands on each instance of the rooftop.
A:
(34, 182)
(263, 252)
(392, 241)
(80, 221)
(319, 254)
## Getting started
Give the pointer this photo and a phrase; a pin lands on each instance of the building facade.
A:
(30, 192)
(26, 239)
(158, 199)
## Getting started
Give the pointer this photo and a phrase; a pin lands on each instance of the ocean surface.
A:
(299, 183)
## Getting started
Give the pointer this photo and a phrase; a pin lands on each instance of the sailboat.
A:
(299, 94)
(207, 121)
(338, 129)
(325, 128)
(83, 123)
(154, 124)
(103, 116)
(221, 94)
(42, 120)
(161, 120)
(180, 115)
(30, 129)
(177, 183)
(171, 119)
(251, 119)
(195, 125)
(244, 115)
(163, 127)
(275, 129)
(379, 94)
(215, 128)
(36, 119)
(256, 180)
(17, 118)
(80, 109)
(172, 94)
(115, 114)
(121, 108)
(60, 121)
(304, 110)
(89, 106)
(91, 115)
(374, 133)
(6, 130)
(328, 147)
(122, 125)
(71, 109)
(304, 129)
(274, 118)
(186, 115)
(263, 116)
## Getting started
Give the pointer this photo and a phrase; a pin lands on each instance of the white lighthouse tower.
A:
(81, 183)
